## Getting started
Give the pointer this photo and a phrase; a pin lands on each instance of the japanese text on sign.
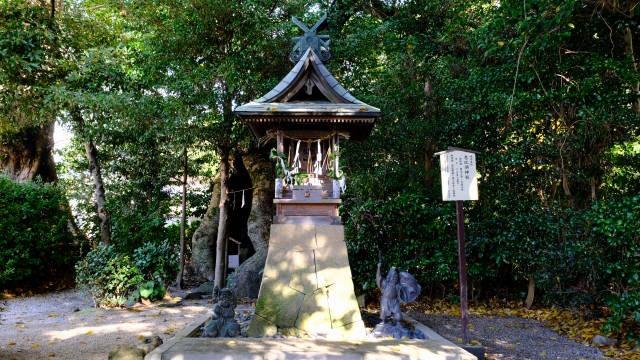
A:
(458, 173)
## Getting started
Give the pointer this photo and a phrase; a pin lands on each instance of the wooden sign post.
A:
(459, 183)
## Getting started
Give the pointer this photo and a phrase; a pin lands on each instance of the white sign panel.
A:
(458, 173)
(234, 261)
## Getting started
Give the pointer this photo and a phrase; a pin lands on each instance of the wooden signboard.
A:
(459, 183)
(458, 174)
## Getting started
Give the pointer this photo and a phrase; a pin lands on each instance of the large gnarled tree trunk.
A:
(203, 241)
(245, 281)
(28, 154)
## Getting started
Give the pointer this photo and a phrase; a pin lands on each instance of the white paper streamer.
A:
(317, 166)
(297, 164)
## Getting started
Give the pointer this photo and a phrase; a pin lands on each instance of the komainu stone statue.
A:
(398, 287)
(223, 322)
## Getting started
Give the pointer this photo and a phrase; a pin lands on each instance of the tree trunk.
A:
(531, 289)
(565, 183)
(429, 150)
(95, 171)
(28, 155)
(96, 174)
(183, 216)
(628, 39)
(203, 241)
(245, 281)
(222, 219)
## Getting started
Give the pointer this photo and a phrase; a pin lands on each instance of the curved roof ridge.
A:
(295, 75)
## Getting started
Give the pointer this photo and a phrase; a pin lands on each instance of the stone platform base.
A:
(306, 288)
(183, 346)
(293, 349)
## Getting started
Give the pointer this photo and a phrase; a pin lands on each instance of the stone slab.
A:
(294, 349)
(292, 267)
(343, 305)
(307, 284)
(260, 326)
(332, 264)
(314, 316)
(352, 331)
(278, 304)
(292, 236)
(302, 273)
(329, 234)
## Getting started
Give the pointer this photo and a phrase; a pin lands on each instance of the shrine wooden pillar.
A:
(280, 141)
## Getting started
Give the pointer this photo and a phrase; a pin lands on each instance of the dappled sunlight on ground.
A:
(137, 328)
(65, 325)
(293, 348)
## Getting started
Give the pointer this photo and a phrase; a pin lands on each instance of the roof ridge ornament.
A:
(318, 43)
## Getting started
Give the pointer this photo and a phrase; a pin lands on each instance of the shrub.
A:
(616, 255)
(35, 243)
(625, 315)
(108, 276)
(149, 290)
(134, 225)
(157, 261)
(409, 233)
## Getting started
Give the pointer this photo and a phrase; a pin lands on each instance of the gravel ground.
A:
(511, 338)
(65, 325)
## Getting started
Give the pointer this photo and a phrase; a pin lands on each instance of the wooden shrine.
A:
(306, 288)
(308, 113)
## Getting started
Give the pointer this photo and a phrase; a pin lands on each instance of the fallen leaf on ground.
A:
(570, 323)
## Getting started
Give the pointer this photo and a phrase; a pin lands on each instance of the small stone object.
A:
(398, 287)
(205, 289)
(223, 322)
(603, 341)
(149, 343)
(193, 296)
(244, 319)
(126, 353)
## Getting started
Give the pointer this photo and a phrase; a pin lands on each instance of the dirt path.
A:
(65, 325)
(511, 338)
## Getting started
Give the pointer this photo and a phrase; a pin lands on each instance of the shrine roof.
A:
(309, 95)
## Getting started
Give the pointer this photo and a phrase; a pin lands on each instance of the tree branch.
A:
(515, 78)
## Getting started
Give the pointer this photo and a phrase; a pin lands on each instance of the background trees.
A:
(30, 53)
(546, 90)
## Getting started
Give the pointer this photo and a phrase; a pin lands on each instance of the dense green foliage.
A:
(158, 261)
(546, 90)
(113, 277)
(109, 276)
(29, 64)
(35, 243)
(615, 253)
(417, 244)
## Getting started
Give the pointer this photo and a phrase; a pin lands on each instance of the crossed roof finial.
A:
(318, 43)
